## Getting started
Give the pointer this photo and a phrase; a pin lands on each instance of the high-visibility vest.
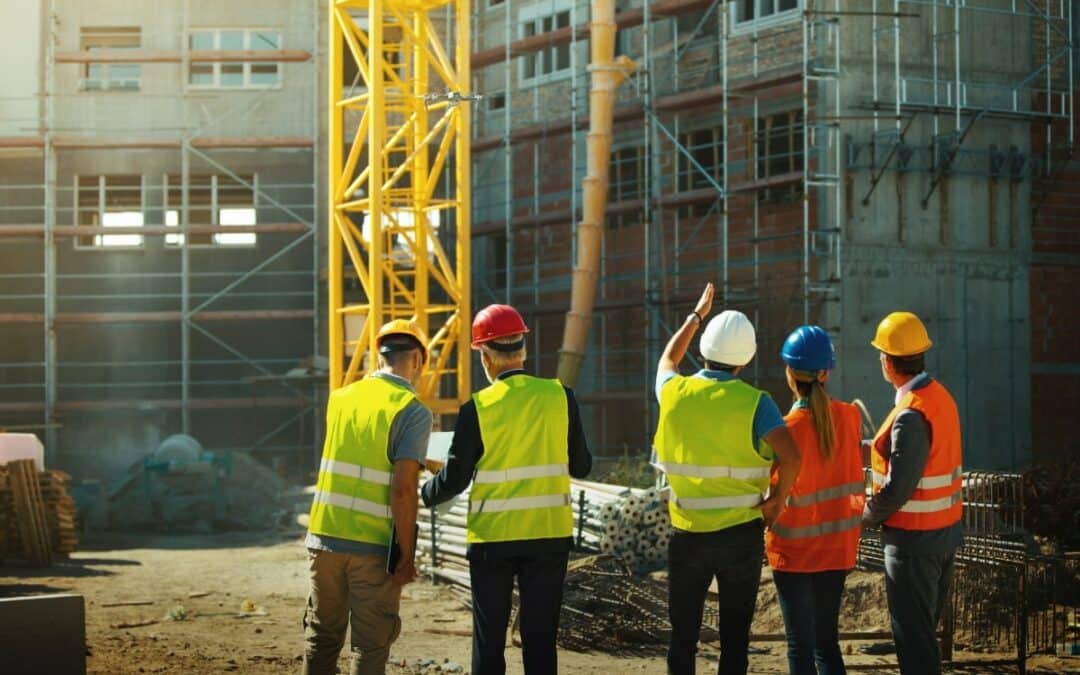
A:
(818, 529)
(521, 489)
(704, 443)
(352, 495)
(936, 502)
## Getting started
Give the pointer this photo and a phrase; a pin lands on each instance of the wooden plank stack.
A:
(37, 515)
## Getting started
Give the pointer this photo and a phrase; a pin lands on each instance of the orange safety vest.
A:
(937, 500)
(818, 529)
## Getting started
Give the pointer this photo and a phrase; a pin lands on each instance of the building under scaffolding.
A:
(162, 205)
(825, 161)
(157, 226)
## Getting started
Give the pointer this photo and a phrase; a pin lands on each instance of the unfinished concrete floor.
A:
(212, 576)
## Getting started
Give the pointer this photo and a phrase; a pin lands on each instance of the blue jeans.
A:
(732, 557)
(917, 587)
(810, 603)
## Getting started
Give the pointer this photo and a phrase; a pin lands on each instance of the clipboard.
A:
(393, 556)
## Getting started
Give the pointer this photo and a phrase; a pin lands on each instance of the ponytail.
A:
(811, 386)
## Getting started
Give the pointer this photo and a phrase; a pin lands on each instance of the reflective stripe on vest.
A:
(937, 501)
(353, 504)
(352, 498)
(704, 442)
(700, 471)
(705, 503)
(518, 503)
(521, 489)
(521, 473)
(355, 471)
(928, 482)
(825, 494)
(931, 505)
(819, 528)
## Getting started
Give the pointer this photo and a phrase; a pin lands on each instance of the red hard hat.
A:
(494, 322)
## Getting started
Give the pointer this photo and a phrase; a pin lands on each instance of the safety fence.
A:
(1008, 594)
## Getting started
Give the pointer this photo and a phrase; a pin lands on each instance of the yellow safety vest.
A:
(521, 489)
(352, 496)
(704, 442)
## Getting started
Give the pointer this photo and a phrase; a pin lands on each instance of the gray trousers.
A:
(917, 587)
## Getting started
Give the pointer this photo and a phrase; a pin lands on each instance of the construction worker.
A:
(710, 442)
(916, 464)
(814, 542)
(377, 434)
(518, 440)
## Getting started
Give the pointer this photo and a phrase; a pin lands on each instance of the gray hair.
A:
(502, 360)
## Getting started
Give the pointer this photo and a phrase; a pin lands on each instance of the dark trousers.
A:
(732, 557)
(810, 603)
(540, 584)
(917, 587)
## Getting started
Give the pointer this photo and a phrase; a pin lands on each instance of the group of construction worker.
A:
(746, 482)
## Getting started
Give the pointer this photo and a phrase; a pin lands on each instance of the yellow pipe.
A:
(607, 73)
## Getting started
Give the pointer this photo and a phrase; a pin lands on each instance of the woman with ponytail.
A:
(814, 541)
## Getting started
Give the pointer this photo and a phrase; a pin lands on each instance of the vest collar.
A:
(917, 382)
(396, 379)
(510, 373)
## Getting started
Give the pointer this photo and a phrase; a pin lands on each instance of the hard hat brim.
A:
(885, 350)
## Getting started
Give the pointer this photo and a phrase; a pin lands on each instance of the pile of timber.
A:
(37, 515)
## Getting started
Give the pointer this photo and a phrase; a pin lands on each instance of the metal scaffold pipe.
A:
(606, 73)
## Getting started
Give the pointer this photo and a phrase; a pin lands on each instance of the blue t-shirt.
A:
(766, 418)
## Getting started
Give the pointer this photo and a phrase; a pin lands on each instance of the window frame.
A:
(758, 22)
(531, 15)
(795, 157)
(98, 240)
(246, 66)
(104, 34)
(215, 207)
(686, 180)
(617, 190)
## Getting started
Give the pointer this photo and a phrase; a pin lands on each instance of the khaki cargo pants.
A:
(349, 590)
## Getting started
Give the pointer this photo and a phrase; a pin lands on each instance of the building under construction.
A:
(164, 233)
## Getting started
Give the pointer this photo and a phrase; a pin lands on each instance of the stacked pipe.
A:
(630, 524)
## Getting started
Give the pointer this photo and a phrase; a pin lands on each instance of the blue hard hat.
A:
(808, 348)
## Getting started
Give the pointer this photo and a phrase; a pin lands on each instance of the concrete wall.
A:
(20, 48)
(960, 261)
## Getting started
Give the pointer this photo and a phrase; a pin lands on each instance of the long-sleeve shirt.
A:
(466, 449)
(909, 445)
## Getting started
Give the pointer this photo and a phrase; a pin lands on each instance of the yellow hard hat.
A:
(401, 327)
(901, 334)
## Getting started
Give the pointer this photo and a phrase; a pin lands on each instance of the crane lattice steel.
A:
(399, 185)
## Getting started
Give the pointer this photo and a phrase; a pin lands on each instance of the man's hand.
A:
(704, 303)
(405, 573)
(770, 509)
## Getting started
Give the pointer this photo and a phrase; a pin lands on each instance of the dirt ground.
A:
(210, 583)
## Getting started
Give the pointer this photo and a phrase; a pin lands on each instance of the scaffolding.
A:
(734, 160)
(225, 284)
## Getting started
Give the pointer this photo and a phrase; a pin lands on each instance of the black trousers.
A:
(540, 584)
(733, 557)
(917, 587)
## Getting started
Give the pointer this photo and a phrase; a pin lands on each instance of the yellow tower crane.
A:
(399, 185)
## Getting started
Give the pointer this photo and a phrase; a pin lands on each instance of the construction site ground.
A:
(234, 603)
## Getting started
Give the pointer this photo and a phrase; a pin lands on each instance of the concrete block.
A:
(43, 635)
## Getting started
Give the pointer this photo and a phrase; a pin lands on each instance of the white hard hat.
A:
(729, 339)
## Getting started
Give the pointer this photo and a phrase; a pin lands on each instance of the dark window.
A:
(779, 151)
(706, 146)
(626, 183)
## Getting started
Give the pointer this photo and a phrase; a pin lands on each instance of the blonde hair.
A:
(811, 386)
